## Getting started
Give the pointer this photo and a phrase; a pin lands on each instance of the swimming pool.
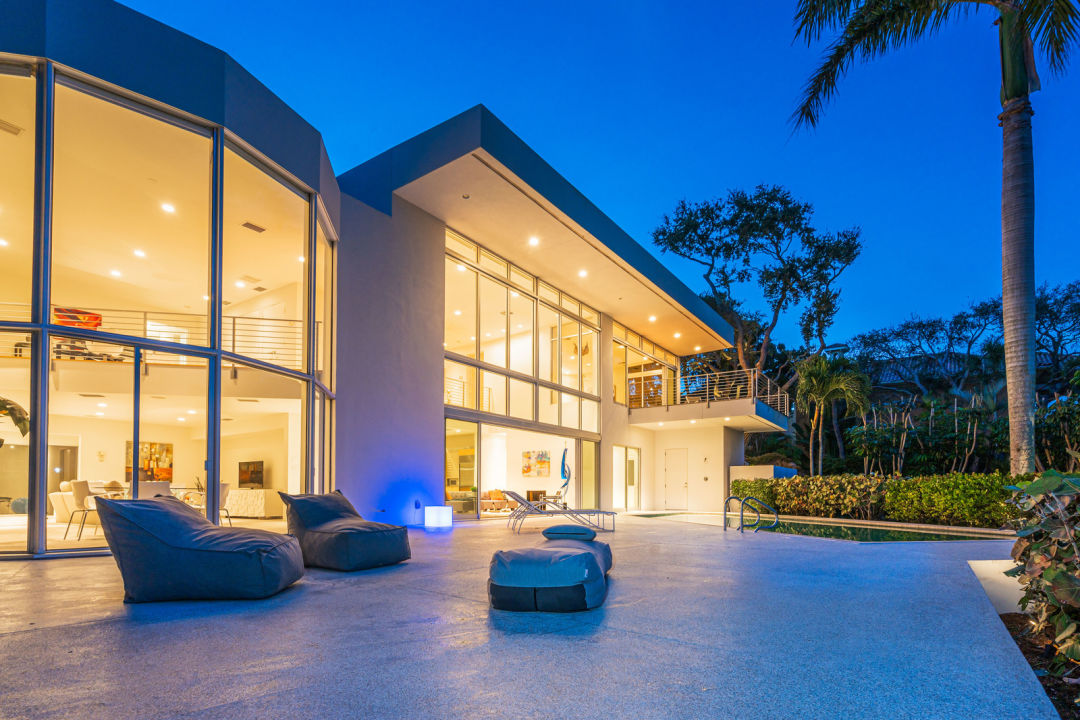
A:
(833, 530)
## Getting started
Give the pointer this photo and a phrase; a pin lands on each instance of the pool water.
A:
(835, 531)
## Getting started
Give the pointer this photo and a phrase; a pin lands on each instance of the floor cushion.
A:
(167, 550)
(562, 575)
(333, 535)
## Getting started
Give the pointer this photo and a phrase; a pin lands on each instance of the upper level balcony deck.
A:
(740, 398)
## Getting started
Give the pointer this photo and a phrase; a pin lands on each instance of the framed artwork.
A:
(155, 461)
(536, 463)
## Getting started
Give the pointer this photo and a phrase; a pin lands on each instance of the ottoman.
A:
(567, 573)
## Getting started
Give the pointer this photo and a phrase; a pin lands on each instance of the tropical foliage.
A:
(1048, 561)
(954, 499)
(823, 382)
(863, 30)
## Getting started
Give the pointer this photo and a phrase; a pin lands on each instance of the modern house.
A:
(189, 295)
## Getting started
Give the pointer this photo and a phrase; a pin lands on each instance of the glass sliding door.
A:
(590, 472)
(15, 434)
(262, 444)
(462, 444)
(172, 427)
(91, 431)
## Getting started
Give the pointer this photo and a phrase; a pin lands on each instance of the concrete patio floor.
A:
(698, 623)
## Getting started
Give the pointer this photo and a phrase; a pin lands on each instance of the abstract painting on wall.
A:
(155, 461)
(536, 463)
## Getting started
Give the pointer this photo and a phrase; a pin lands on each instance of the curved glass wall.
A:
(150, 379)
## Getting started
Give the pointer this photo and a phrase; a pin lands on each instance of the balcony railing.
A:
(272, 340)
(659, 391)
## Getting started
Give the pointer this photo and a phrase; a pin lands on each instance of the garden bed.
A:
(1039, 652)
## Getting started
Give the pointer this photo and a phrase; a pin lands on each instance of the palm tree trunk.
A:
(836, 431)
(820, 439)
(1018, 279)
(810, 445)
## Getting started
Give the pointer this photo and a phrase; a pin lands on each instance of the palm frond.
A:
(813, 17)
(1054, 26)
(872, 27)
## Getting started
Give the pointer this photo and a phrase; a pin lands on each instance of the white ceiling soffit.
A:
(501, 212)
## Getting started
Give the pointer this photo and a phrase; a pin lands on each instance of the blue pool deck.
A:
(698, 623)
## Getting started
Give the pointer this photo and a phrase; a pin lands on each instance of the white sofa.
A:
(254, 503)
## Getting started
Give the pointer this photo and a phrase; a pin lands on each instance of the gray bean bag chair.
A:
(333, 535)
(167, 550)
(567, 573)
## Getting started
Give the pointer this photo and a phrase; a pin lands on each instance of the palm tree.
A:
(822, 381)
(869, 28)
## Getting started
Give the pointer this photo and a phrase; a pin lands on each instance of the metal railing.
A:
(273, 340)
(745, 503)
(659, 391)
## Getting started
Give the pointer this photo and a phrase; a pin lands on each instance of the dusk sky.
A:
(641, 104)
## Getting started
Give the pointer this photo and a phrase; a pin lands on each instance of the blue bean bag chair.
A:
(167, 550)
(333, 535)
(566, 573)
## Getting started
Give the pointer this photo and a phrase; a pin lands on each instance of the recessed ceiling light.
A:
(660, 424)
(99, 414)
(192, 412)
(487, 334)
(3, 242)
(582, 273)
(692, 422)
(168, 207)
(181, 419)
(457, 312)
(520, 326)
(140, 253)
(103, 404)
(473, 337)
(115, 273)
(461, 268)
(534, 241)
(697, 348)
(652, 318)
(205, 297)
(513, 293)
(727, 419)
(241, 284)
(678, 335)
(301, 258)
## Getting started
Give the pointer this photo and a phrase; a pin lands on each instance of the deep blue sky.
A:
(640, 104)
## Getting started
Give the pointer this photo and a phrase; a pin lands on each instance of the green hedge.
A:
(954, 499)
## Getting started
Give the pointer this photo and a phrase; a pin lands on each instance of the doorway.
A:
(626, 477)
(675, 480)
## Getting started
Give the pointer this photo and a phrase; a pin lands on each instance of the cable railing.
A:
(659, 390)
(273, 340)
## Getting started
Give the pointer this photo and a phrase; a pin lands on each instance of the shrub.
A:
(764, 490)
(956, 499)
(1048, 560)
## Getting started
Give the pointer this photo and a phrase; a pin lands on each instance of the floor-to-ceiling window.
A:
(17, 134)
(462, 441)
(139, 395)
(517, 348)
(644, 373)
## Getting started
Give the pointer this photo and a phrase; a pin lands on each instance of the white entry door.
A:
(675, 482)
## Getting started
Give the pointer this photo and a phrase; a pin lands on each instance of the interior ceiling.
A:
(501, 213)
(113, 170)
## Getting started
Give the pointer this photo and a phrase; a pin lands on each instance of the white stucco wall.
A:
(389, 444)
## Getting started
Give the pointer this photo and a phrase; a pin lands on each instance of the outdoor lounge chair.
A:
(566, 573)
(597, 519)
(166, 550)
(333, 535)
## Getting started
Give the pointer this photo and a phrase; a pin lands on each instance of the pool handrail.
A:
(743, 504)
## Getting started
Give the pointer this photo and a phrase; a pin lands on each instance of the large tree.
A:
(869, 28)
(764, 238)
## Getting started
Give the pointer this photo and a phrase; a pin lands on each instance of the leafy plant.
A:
(1048, 561)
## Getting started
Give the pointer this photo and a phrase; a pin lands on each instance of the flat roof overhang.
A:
(482, 181)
